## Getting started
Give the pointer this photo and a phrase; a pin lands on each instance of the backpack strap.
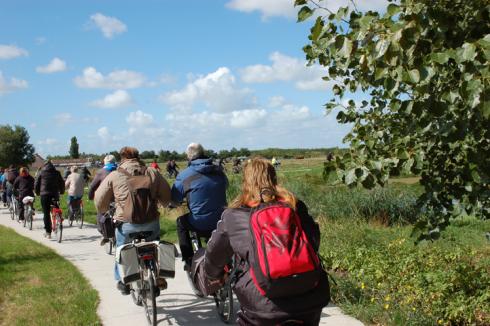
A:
(126, 173)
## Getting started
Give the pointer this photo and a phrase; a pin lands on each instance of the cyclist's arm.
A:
(61, 183)
(37, 185)
(218, 252)
(94, 186)
(163, 190)
(104, 195)
(309, 225)
(178, 192)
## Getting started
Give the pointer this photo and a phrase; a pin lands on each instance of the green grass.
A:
(38, 287)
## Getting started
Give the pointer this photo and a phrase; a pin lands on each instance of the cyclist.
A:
(49, 185)
(155, 165)
(75, 184)
(10, 175)
(109, 166)
(23, 186)
(233, 237)
(204, 185)
(2, 187)
(115, 188)
(86, 174)
(172, 168)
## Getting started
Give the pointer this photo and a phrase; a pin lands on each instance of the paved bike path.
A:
(176, 305)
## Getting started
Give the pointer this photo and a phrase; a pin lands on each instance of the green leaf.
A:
(486, 109)
(469, 52)
(440, 58)
(379, 73)
(300, 2)
(414, 76)
(346, 49)
(381, 47)
(350, 177)
(304, 13)
(393, 9)
(317, 29)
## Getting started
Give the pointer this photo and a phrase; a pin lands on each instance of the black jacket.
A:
(49, 181)
(24, 186)
(233, 236)
(11, 175)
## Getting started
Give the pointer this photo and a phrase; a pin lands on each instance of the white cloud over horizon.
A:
(285, 8)
(217, 90)
(109, 26)
(11, 51)
(286, 68)
(117, 99)
(55, 65)
(117, 79)
(14, 84)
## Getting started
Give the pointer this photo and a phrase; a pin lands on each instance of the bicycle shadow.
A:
(187, 309)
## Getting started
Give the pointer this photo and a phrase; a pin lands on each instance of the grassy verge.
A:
(38, 287)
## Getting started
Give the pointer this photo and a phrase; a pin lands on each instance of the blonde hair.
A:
(24, 171)
(260, 185)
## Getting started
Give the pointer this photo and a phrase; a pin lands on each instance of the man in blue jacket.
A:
(204, 185)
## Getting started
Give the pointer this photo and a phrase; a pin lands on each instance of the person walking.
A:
(204, 185)
(49, 185)
(109, 166)
(128, 215)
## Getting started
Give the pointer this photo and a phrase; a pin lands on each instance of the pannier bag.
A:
(198, 275)
(166, 259)
(108, 228)
(282, 261)
(127, 263)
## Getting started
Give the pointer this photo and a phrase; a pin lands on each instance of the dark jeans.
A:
(310, 319)
(183, 229)
(46, 201)
(21, 208)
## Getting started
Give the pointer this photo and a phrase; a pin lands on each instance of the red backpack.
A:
(282, 260)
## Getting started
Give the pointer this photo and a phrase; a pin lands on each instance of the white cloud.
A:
(268, 8)
(48, 141)
(286, 68)
(63, 119)
(139, 119)
(109, 26)
(119, 98)
(217, 90)
(14, 84)
(11, 52)
(56, 65)
(104, 133)
(247, 118)
(285, 8)
(276, 101)
(118, 79)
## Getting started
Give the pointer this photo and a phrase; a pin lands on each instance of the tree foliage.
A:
(74, 148)
(423, 68)
(14, 146)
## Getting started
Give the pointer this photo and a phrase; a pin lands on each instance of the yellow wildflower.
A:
(387, 306)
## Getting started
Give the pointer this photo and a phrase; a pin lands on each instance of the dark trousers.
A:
(21, 208)
(310, 319)
(46, 201)
(183, 229)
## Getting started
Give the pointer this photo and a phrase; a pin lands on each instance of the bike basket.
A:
(127, 263)
(166, 259)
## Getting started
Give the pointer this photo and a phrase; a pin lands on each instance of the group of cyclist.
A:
(202, 185)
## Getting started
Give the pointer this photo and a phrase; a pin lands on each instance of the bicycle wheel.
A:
(224, 303)
(149, 297)
(29, 218)
(80, 218)
(108, 247)
(59, 233)
(24, 222)
(193, 287)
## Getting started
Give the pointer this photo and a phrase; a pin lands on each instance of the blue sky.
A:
(160, 74)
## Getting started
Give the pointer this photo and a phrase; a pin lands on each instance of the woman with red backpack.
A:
(275, 241)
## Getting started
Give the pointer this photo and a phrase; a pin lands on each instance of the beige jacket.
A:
(114, 189)
(75, 184)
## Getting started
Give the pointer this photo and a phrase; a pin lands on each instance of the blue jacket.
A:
(204, 185)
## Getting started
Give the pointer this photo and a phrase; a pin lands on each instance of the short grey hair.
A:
(194, 150)
(74, 169)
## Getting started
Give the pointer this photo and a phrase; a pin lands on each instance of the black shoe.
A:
(123, 288)
(187, 265)
(104, 241)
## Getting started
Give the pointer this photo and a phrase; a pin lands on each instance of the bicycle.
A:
(14, 208)
(110, 245)
(223, 298)
(57, 220)
(28, 211)
(76, 212)
(145, 289)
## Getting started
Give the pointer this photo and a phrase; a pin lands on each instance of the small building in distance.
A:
(38, 163)
(80, 162)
